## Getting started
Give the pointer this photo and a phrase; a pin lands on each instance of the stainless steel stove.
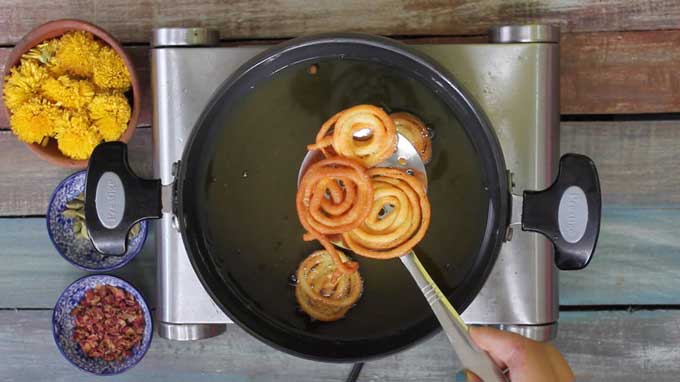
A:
(514, 79)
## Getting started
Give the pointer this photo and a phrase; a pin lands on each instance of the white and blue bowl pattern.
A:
(63, 325)
(76, 251)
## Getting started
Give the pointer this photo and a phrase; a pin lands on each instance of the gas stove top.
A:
(515, 80)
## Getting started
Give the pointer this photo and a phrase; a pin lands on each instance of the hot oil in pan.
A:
(251, 197)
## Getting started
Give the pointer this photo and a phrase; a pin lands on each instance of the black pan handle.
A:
(568, 212)
(116, 198)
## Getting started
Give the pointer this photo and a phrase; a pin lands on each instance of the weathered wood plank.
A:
(140, 58)
(601, 73)
(28, 353)
(636, 160)
(620, 73)
(600, 346)
(33, 274)
(639, 346)
(621, 346)
(28, 181)
(134, 20)
(638, 164)
(636, 263)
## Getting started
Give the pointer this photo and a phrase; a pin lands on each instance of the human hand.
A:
(526, 360)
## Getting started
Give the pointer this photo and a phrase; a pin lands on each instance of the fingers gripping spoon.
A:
(471, 356)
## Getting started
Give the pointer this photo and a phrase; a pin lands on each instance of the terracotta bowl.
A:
(57, 28)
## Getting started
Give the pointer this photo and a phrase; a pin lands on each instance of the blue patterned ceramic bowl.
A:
(78, 251)
(63, 325)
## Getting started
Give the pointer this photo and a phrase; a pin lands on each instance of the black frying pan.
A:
(235, 194)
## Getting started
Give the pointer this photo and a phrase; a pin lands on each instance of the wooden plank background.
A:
(604, 347)
(619, 58)
(601, 73)
(636, 160)
(33, 274)
(620, 73)
(255, 19)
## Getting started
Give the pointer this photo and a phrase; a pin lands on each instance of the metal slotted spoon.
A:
(470, 355)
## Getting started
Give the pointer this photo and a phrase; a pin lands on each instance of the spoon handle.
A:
(471, 356)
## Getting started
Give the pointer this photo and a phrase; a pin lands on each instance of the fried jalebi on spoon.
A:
(413, 129)
(324, 293)
(334, 196)
(364, 132)
(398, 219)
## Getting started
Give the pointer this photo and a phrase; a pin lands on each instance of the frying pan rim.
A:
(454, 93)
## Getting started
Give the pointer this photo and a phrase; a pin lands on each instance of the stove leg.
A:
(543, 333)
(189, 332)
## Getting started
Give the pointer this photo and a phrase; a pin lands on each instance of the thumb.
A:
(506, 349)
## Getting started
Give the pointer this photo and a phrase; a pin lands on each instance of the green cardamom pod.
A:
(84, 234)
(71, 214)
(75, 204)
(134, 230)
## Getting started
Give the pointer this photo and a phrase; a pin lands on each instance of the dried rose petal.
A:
(109, 323)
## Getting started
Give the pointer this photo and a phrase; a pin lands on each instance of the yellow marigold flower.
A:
(43, 52)
(76, 54)
(23, 83)
(35, 120)
(109, 71)
(75, 136)
(110, 114)
(64, 91)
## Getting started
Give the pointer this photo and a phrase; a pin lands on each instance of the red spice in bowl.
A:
(108, 323)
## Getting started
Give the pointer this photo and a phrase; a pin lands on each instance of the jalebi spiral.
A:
(364, 132)
(398, 219)
(324, 293)
(334, 196)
